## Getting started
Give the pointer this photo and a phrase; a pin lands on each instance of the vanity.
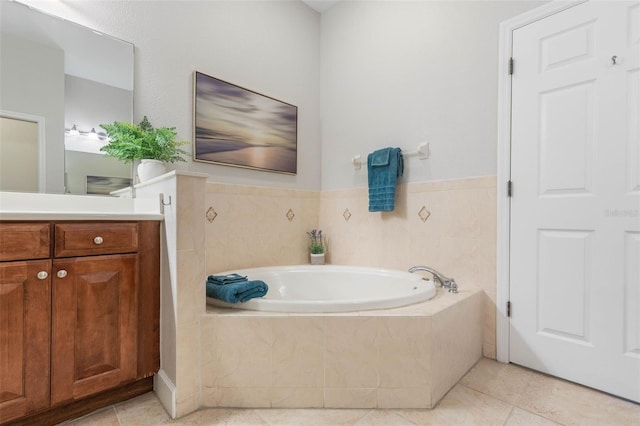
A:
(79, 309)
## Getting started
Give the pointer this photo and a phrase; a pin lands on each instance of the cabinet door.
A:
(94, 325)
(25, 321)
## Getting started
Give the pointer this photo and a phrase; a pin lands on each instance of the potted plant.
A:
(316, 247)
(153, 146)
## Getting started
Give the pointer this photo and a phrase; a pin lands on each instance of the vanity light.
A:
(74, 131)
(92, 134)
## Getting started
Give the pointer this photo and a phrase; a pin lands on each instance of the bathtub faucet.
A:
(444, 282)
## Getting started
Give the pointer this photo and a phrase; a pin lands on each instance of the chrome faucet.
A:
(444, 282)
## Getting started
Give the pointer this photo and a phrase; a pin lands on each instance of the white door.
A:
(575, 208)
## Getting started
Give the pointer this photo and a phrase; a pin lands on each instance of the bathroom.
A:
(363, 75)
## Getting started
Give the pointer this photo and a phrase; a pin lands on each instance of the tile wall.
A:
(395, 358)
(449, 225)
(249, 226)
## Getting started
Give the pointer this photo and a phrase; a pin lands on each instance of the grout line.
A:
(508, 416)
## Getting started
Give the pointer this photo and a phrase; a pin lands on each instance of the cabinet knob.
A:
(98, 240)
(61, 273)
(42, 275)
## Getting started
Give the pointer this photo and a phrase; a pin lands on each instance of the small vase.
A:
(317, 259)
(149, 169)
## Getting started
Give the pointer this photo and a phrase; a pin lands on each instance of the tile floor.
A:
(490, 394)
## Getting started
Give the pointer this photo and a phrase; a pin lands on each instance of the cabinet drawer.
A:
(82, 239)
(23, 241)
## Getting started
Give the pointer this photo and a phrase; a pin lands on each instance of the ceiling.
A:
(321, 5)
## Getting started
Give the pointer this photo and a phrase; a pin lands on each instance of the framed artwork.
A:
(238, 127)
(104, 185)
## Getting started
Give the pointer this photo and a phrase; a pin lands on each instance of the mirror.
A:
(59, 81)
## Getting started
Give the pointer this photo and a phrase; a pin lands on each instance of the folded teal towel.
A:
(237, 292)
(384, 167)
(226, 279)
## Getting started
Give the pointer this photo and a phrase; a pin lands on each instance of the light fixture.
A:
(74, 131)
(92, 134)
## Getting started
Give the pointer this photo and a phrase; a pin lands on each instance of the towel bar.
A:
(422, 152)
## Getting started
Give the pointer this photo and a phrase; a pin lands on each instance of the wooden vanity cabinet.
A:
(25, 312)
(87, 330)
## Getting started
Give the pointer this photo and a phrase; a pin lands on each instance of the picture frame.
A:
(105, 185)
(238, 127)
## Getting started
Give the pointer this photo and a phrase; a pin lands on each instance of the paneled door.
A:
(575, 207)
(94, 325)
(25, 329)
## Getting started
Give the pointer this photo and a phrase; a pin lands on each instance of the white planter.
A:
(149, 169)
(317, 259)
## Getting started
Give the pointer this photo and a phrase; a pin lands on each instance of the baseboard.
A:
(166, 392)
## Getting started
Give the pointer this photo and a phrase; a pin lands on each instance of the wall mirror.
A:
(59, 81)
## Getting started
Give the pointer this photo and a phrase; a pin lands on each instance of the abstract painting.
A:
(238, 127)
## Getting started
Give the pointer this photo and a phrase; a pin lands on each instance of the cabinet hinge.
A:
(510, 66)
(509, 309)
(509, 189)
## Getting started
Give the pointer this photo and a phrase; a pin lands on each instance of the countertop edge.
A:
(78, 216)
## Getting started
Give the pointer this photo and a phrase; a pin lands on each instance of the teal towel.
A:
(237, 292)
(226, 279)
(384, 167)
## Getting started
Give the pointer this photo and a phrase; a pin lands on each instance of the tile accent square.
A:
(290, 215)
(424, 213)
(211, 214)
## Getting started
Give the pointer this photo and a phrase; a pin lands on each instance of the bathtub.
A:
(332, 288)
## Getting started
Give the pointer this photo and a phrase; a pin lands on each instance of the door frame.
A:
(503, 248)
(42, 146)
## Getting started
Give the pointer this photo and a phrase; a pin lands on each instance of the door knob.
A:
(61, 273)
(98, 240)
(42, 275)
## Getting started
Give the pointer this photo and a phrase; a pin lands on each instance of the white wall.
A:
(271, 47)
(395, 73)
(33, 84)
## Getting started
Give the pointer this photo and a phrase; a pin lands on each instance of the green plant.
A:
(317, 241)
(129, 142)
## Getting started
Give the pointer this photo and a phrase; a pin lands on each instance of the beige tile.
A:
(188, 373)
(489, 325)
(297, 397)
(144, 410)
(462, 406)
(404, 352)
(350, 397)
(571, 404)
(506, 382)
(298, 351)
(457, 342)
(520, 417)
(404, 397)
(243, 355)
(350, 354)
(311, 417)
(222, 416)
(383, 417)
(489, 350)
(247, 397)
(187, 403)
(104, 417)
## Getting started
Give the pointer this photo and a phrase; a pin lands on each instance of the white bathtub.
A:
(332, 288)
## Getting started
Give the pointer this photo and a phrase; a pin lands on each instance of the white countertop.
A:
(35, 206)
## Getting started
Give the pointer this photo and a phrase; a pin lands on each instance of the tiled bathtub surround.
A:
(397, 358)
(458, 237)
(257, 226)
